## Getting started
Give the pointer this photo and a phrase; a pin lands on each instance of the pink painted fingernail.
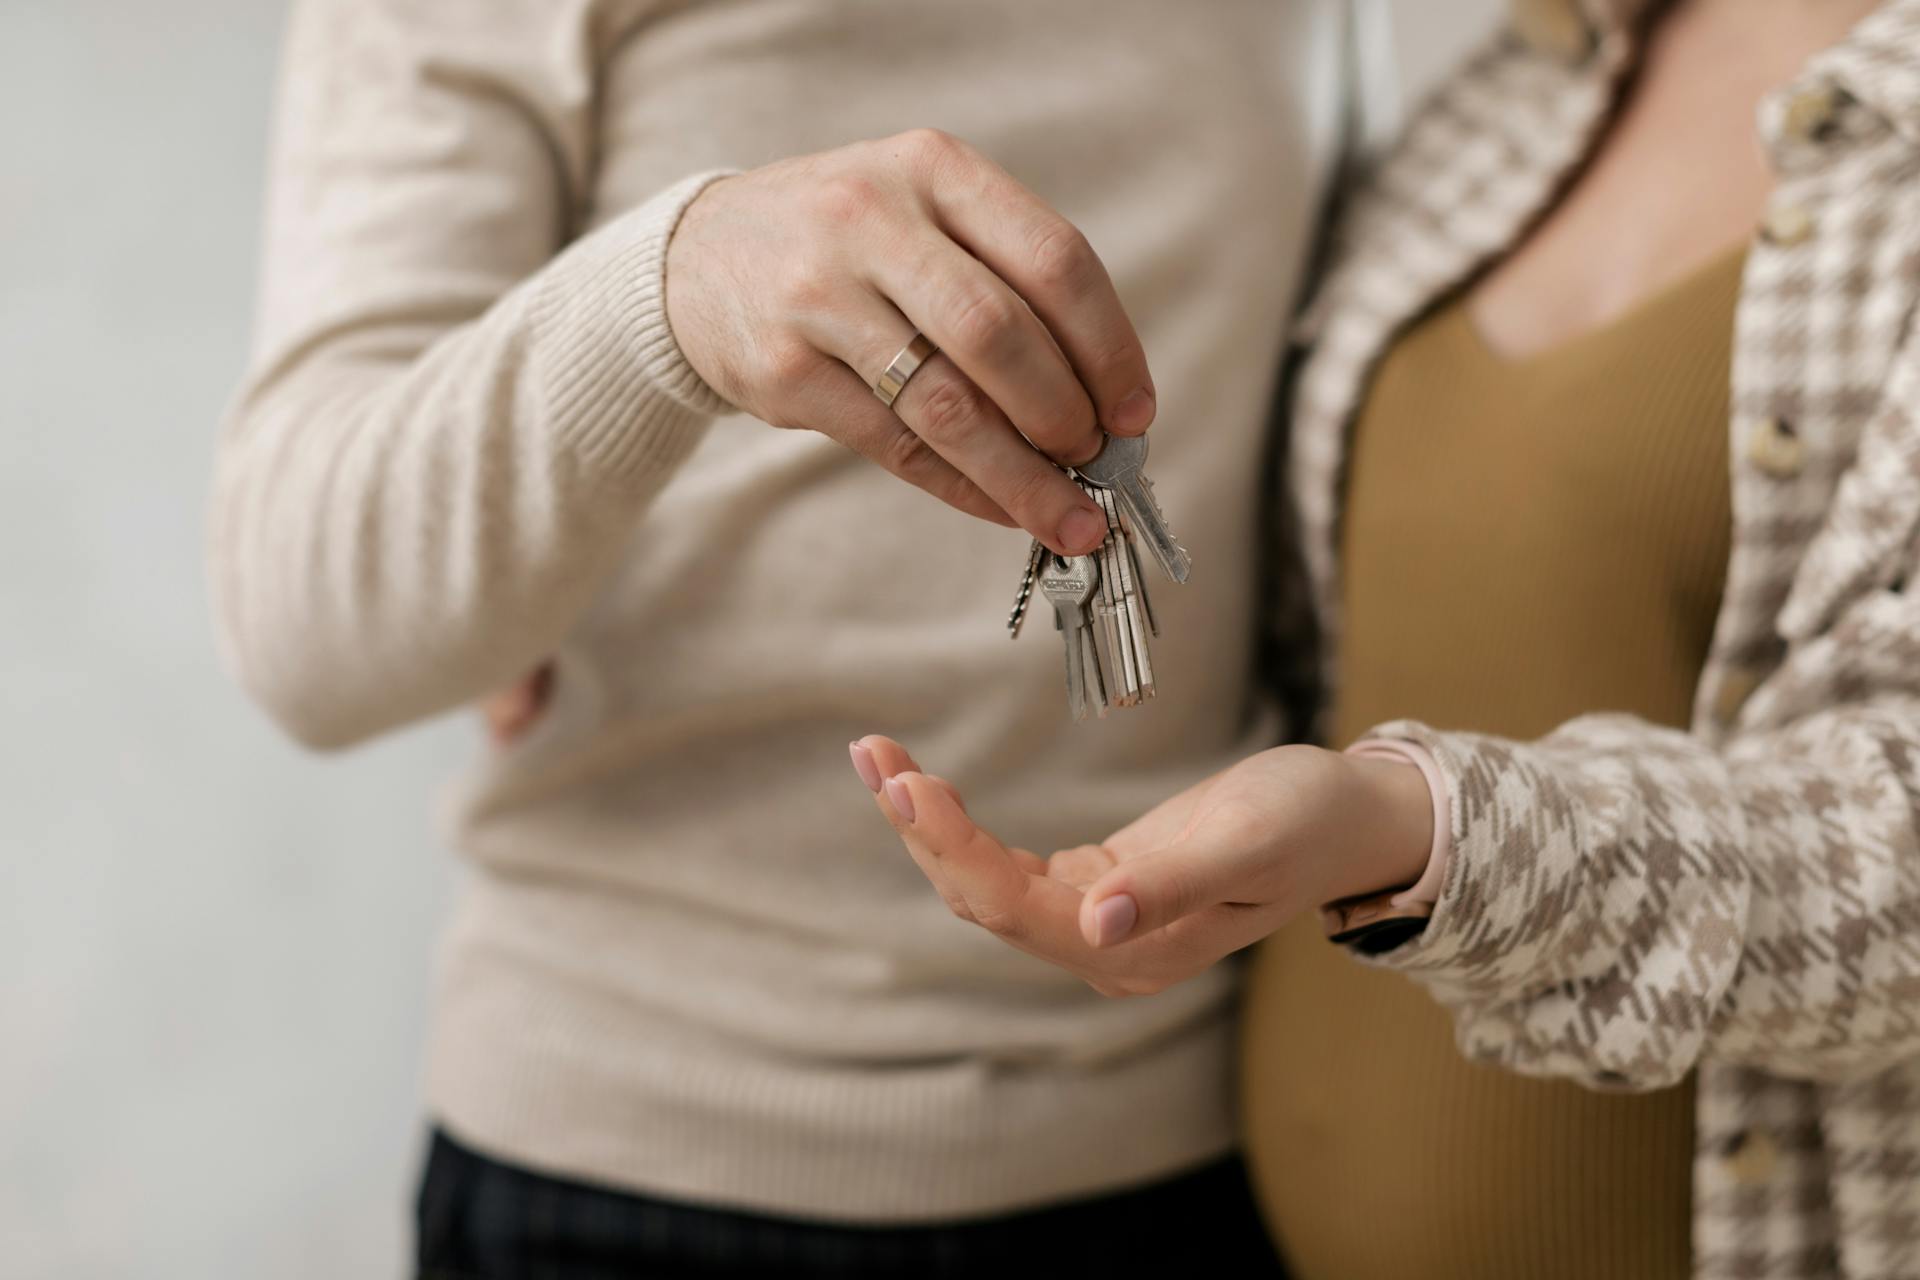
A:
(1135, 413)
(1113, 919)
(1082, 531)
(900, 798)
(863, 764)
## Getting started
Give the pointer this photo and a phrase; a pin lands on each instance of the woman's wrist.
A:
(1390, 828)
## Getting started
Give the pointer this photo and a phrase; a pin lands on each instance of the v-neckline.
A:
(1648, 303)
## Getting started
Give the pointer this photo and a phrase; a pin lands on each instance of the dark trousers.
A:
(480, 1219)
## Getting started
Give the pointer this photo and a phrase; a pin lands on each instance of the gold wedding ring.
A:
(911, 357)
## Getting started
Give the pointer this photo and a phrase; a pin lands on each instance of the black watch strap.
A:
(1373, 925)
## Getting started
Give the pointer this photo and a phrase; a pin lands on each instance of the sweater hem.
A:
(701, 1120)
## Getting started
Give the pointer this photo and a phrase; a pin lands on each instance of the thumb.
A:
(1154, 890)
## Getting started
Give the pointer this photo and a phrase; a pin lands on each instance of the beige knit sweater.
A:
(690, 960)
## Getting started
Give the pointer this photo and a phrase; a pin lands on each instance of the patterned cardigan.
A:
(1627, 903)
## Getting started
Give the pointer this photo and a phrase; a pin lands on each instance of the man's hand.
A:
(1218, 867)
(791, 287)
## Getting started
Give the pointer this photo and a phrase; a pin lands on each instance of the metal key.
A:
(1118, 467)
(1019, 614)
(1122, 636)
(1140, 587)
(1069, 586)
(1132, 605)
(1126, 585)
(1107, 610)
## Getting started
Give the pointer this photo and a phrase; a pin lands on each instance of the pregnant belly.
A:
(1378, 1152)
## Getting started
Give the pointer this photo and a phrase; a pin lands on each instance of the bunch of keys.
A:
(1099, 600)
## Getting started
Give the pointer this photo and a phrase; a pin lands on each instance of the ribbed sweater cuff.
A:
(1425, 890)
(625, 402)
(1441, 758)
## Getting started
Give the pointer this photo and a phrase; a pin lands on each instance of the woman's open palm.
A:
(1197, 877)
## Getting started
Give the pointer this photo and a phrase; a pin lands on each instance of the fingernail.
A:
(863, 764)
(1135, 413)
(900, 798)
(1082, 531)
(1113, 919)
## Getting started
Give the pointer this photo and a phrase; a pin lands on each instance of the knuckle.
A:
(847, 199)
(952, 408)
(906, 455)
(983, 322)
(807, 289)
(928, 144)
(1032, 489)
(787, 366)
(1061, 257)
(958, 905)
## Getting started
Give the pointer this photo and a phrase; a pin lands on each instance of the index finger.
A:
(970, 866)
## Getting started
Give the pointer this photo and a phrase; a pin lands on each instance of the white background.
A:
(214, 950)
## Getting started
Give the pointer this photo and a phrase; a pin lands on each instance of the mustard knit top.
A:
(1524, 541)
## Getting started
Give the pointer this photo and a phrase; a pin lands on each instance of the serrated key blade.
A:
(1121, 466)
(1025, 598)
(1140, 585)
(1130, 587)
(1136, 491)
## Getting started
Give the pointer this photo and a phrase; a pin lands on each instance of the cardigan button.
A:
(1775, 448)
(1787, 225)
(1751, 1156)
(1736, 686)
(1810, 114)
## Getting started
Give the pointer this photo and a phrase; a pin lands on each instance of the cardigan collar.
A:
(1877, 63)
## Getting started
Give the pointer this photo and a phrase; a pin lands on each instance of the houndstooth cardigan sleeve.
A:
(1623, 900)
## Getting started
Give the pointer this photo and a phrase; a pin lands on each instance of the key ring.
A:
(916, 353)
